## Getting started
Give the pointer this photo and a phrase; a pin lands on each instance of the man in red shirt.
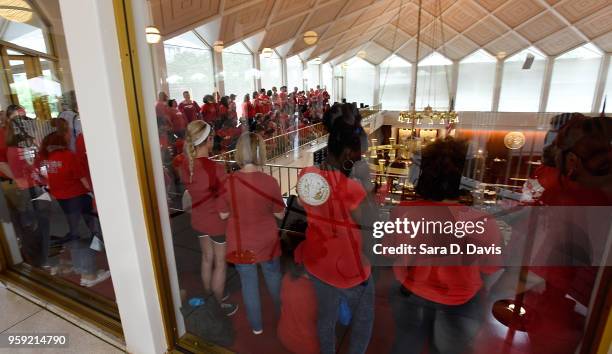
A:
(189, 108)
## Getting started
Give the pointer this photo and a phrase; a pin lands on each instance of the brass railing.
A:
(282, 144)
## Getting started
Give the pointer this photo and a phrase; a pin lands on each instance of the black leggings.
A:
(446, 329)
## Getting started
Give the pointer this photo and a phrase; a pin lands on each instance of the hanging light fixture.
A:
(310, 37)
(362, 54)
(429, 115)
(267, 53)
(152, 35)
(218, 46)
(16, 10)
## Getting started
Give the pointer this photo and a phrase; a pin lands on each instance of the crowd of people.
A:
(38, 173)
(267, 112)
(315, 278)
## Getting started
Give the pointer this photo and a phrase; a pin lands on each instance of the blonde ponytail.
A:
(198, 132)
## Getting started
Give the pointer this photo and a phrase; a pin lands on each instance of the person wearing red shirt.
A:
(210, 111)
(574, 188)
(5, 170)
(248, 112)
(232, 111)
(204, 181)
(440, 292)
(332, 251)
(252, 202)
(189, 108)
(161, 107)
(68, 184)
(229, 134)
(283, 99)
(297, 326)
(32, 214)
(178, 121)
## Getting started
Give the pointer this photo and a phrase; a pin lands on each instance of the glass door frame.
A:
(592, 342)
(70, 297)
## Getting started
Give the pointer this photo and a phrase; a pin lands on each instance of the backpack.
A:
(209, 323)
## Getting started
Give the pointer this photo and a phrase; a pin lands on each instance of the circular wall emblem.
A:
(313, 189)
(514, 140)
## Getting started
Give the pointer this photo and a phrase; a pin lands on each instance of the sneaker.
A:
(101, 276)
(257, 332)
(229, 309)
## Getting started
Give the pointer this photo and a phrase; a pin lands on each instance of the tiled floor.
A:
(19, 315)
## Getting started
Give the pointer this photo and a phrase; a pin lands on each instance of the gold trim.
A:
(142, 152)
(196, 345)
(606, 338)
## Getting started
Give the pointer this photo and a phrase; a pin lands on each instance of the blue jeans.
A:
(250, 288)
(83, 257)
(34, 226)
(361, 302)
(443, 328)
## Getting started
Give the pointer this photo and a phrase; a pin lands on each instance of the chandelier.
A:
(429, 115)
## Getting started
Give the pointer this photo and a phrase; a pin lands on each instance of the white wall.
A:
(95, 59)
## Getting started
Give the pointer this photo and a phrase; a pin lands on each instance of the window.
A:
(189, 66)
(295, 74)
(271, 70)
(434, 80)
(574, 79)
(327, 72)
(313, 69)
(476, 82)
(28, 35)
(395, 83)
(521, 88)
(239, 74)
(360, 77)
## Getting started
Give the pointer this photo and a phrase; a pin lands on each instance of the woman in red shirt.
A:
(210, 110)
(434, 291)
(204, 181)
(32, 214)
(332, 251)
(252, 203)
(68, 184)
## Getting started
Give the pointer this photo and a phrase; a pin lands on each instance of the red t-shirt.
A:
(22, 164)
(561, 191)
(257, 197)
(161, 109)
(206, 189)
(449, 285)
(248, 110)
(297, 327)
(189, 110)
(3, 147)
(178, 121)
(64, 173)
(81, 155)
(209, 112)
(332, 249)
